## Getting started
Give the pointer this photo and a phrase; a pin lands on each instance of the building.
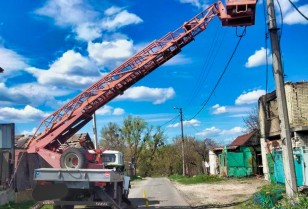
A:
(241, 158)
(297, 104)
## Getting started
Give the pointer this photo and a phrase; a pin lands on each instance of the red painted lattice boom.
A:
(71, 117)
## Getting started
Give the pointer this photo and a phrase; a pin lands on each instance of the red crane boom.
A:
(66, 121)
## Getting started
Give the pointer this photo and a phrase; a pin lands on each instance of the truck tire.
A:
(73, 158)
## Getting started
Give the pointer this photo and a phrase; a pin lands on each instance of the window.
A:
(109, 158)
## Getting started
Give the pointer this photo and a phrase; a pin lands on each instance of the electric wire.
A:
(202, 77)
(295, 7)
(191, 125)
(221, 76)
(281, 20)
(169, 121)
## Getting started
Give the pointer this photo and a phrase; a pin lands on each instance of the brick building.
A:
(297, 104)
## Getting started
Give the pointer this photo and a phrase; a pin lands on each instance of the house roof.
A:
(243, 139)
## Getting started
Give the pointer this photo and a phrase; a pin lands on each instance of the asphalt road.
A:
(157, 193)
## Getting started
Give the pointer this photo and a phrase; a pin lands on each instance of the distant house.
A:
(241, 158)
(297, 105)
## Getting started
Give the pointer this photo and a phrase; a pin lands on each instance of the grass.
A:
(22, 205)
(197, 179)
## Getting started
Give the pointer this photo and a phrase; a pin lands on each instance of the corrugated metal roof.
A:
(243, 139)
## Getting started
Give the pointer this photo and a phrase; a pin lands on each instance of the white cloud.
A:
(259, 58)
(209, 132)
(118, 19)
(11, 61)
(192, 122)
(249, 97)
(108, 110)
(86, 22)
(30, 93)
(143, 93)
(29, 113)
(71, 70)
(196, 3)
(219, 109)
(28, 132)
(110, 53)
(290, 15)
(179, 59)
(293, 17)
(234, 130)
(216, 132)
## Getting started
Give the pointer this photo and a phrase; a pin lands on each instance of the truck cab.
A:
(113, 160)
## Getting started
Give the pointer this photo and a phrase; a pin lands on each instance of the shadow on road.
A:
(155, 204)
(152, 204)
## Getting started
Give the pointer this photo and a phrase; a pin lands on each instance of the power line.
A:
(169, 121)
(226, 67)
(281, 20)
(298, 10)
(209, 60)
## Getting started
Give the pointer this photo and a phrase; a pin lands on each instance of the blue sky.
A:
(53, 49)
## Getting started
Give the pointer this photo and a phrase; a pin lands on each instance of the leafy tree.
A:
(112, 137)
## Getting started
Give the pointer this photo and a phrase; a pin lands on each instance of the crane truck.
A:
(77, 175)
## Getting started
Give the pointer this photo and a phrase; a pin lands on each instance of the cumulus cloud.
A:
(196, 3)
(30, 93)
(290, 15)
(259, 58)
(71, 70)
(219, 109)
(293, 17)
(86, 22)
(143, 93)
(11, 61)
(179, 59)
(216, 132)
(249, 97)
(116, 19)
(108, 110)
(192, 122)
(28, 113)
(110, 53)
(28, 132)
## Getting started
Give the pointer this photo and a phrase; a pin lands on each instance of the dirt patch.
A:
(225, 193)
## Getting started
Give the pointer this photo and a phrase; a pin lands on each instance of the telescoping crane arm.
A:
(66, 121)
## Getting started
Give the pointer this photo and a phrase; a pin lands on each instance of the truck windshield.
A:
(109, 158)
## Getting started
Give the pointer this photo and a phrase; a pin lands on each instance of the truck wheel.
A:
(73, 158)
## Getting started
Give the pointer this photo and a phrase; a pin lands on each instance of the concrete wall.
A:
(213, 161)
(297, 102)
(6, 196)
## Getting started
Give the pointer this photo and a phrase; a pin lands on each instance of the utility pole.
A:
(182, 136)
(95, 131)
(288, 163)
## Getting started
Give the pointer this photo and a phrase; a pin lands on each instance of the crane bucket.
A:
(239, 13)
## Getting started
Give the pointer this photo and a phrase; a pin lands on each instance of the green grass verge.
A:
(197, 179)
(22, 205)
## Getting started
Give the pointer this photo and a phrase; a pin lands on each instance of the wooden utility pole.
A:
(182, 136)
(288, 163)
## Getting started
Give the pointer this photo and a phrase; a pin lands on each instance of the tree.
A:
(112, 138)
(252, 121)
(153, 143)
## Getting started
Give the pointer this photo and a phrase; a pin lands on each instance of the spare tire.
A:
(73, 158)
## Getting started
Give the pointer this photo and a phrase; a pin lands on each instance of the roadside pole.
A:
(182, 137)
(288, 164)
(95, 131)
